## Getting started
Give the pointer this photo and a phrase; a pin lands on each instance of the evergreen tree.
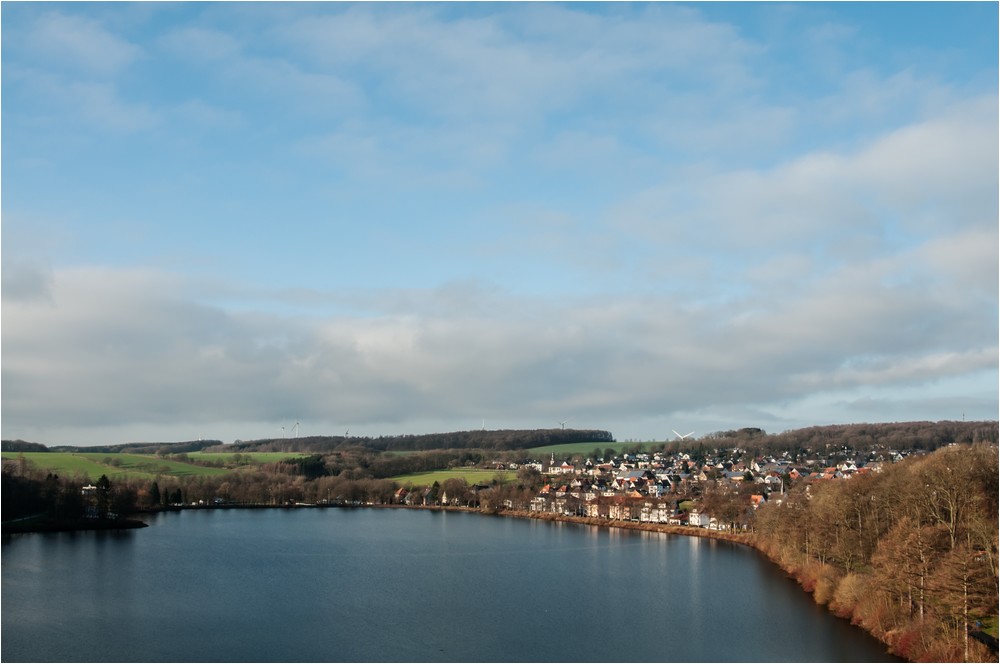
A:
(103, 495)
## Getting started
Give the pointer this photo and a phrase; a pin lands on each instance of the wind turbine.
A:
(563, 423)
(282, 432)
(682, 436)
(295, 430)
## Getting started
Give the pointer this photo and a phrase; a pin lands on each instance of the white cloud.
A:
(906, 180)
(26, 281)
(77, 44)
(67, 105)
(965, 261)
(522, 64)
(203, 45)
(239, 63)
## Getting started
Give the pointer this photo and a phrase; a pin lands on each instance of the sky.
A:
(223, 219)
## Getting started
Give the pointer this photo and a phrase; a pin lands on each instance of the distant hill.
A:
(505, 439)
(124, 448)
(890, 435)
(21, 446)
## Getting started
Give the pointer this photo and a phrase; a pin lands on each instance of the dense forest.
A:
(909, 553)
(889, 435)
(504, 439)
(124, 448)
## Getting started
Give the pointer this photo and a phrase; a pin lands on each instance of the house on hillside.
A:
(604, 470)
(774, 483)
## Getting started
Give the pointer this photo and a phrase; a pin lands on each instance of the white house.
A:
(700, 519)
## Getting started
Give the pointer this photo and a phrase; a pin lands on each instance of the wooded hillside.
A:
(909, 553)
(124, 448)
(505, 439)
(889, 435)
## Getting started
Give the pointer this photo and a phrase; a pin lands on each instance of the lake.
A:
(367, 585)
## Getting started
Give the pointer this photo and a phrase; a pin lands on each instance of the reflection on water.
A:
(394, 585)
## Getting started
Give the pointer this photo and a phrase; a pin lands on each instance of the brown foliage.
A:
(910, 554)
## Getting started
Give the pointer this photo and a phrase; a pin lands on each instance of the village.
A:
(720, 491)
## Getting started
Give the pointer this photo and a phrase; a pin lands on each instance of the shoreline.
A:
(69, 525)
(669, 529)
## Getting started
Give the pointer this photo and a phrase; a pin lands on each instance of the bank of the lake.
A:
(48, 525)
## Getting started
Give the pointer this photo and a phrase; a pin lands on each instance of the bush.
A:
(848, 595)
(827, 580)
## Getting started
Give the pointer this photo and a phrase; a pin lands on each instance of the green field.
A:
(116, 466)
(470, 475)
(151, 465)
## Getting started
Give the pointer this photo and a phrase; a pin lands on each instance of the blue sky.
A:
(223, 218)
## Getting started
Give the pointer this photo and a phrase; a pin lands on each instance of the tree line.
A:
(503, 439)
(926, 436)
(123, 448)
(57, 500)
(900, 436)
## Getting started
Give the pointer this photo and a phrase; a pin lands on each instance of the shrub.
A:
(826, 583)
(848, 595)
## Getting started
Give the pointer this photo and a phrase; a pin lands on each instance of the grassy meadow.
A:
(65, 464)
(116, 466)
(470, 475)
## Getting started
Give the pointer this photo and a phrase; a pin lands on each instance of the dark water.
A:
(408, 586)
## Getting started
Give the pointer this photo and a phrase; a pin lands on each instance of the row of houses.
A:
(425, 496)
(632, 508)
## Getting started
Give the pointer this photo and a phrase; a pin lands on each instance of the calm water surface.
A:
(409, 586)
